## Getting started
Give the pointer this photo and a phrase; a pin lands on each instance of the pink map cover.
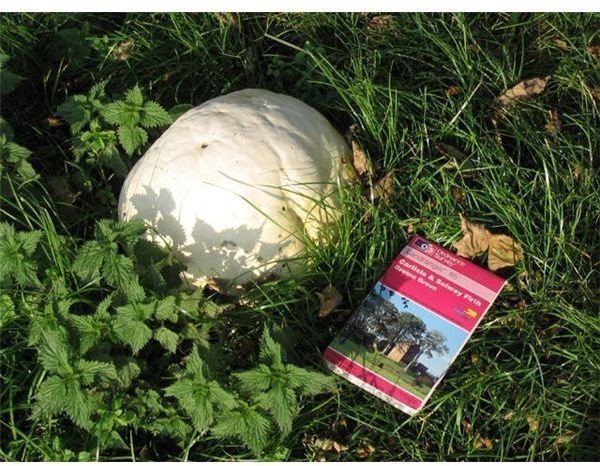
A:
(406, 333)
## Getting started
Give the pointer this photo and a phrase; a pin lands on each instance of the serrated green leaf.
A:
(245, 423)
(153, 115)
(12, 152)
(167, 338)
(75, 112)
(255, 380)
(26, 170)
(89, 330)
(53, 353)
(166, 310)
(128, 371)
(89, 260)
(7, 310)
(29, 240)
(115, 113)
(118, 271)
(78, 405)
(132, 137)
(133, 333)
(134, 96)
(51, 396)
(270, 351)
(88, 370)
(283, 406)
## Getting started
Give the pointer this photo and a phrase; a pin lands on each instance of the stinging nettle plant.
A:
(122, 357)
(99, 126)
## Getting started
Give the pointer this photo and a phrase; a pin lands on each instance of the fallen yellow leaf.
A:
(523, 90)
(384, 188)
(553, 126)
(123, 50)
(503, 251)
(330, 298)
(360, 160)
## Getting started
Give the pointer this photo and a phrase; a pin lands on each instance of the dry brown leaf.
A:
(384, 188)
(381, 22)
(595, 51)
(452, 91)
(330, 298)
(457, 194)
(475, 240)
(481, 443)
(553, 126)
(503, 251)
(123, 50)
(360, 160)
(327, 444)
(474, 358)
(561, 45)
(534, 423)
(524, 90)
(365, 450)
(54, 122)
(466, 425)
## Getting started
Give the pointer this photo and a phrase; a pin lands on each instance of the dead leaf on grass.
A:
(466, 425)
(381, 22)
(123, 50)
(553, 126)
(365, 450)
(561, 45)
(384, 188)
(523, 90)
(503, 251)
(534, 423)
(452, 91)
(482, 443)
(360, 160)
(594, 51)
(457, 194)
(330, 298)
(54, 122)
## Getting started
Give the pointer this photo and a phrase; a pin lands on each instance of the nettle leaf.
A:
(12, 152)
(114, 113)
(118, 271)
(89, 370)
(134, 96)
(89, 329)
(270, 350)
(89, 260)
(167, 338)
(134, 333)
(166, 310)
(75, 112)
(245, 423)
(78, 405)
(51, 396)
(283, 406)
(256, 380)
(153, 115)
(7, 310)
(132, 137)
(127, 371)
(53, 352)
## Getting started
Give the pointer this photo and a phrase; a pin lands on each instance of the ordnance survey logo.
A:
(423, 246)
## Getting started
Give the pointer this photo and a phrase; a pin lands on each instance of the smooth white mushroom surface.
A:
(235, 184)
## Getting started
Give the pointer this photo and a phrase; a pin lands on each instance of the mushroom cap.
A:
(235, 183)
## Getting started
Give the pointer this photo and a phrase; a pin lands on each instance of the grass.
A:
(526, 386)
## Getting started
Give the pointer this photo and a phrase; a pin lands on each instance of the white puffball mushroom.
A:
(236, 183)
